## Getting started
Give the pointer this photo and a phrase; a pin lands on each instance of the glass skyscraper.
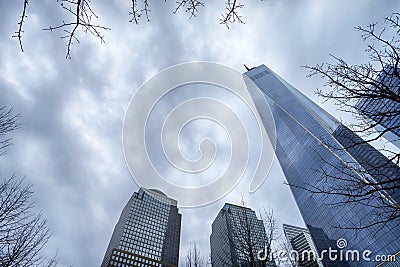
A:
(305, 137)
(147, 232)
(236, 238)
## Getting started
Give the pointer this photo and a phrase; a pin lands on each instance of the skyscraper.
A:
(300, 241)
(305, 134)
(147, 232)
(236, 238)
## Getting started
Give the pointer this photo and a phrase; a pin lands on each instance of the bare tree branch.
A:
(190, 6)
(231, 14)
(83, 15)
(193, 257)
(23, 233)
(9, 122)
(371, 93)
(18, 34)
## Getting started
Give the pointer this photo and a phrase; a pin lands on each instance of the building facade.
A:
(305, 134)
(384, 112)
(147, 232)
(392, 261)
(236, 238)
(299, 240)
(388, 173)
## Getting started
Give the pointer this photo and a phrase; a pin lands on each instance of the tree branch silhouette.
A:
(370, 92)
(18, 34)
(9, 122)
(83, 16)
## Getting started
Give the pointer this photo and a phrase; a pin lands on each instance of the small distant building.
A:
(299, 240)
(236, 238)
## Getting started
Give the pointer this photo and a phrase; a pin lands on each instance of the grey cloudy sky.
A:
(70, 146)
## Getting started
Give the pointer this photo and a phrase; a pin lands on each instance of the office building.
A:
(305, 134)
(236, 238)
(147, 232)
(300, 241)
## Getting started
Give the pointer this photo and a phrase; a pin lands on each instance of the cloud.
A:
(70, 146)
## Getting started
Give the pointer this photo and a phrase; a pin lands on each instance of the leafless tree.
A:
(22, 232)
(209, 263)
(373, 83)
(272, 231)
(287, 260)
(83, 16)
(193, 257)
(9, 122)
(371, 93)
